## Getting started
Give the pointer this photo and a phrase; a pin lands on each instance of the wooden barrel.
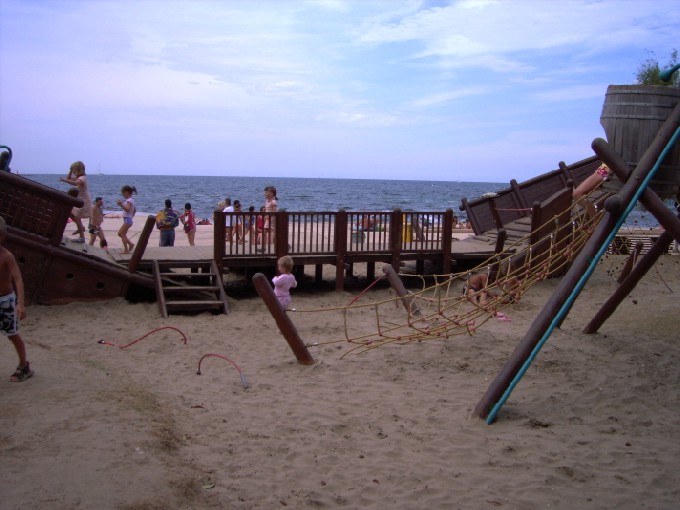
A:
(631, 117)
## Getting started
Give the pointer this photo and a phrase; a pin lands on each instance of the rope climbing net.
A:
(447, 305)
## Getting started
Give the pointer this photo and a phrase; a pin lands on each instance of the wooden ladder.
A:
(194, 291)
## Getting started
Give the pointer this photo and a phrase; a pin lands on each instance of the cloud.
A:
(407, 80)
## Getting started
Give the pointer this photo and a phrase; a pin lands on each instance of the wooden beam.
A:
(283, 322)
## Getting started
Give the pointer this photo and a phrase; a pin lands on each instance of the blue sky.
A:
(470, 90)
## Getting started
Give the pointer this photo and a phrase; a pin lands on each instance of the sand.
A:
(593, 424)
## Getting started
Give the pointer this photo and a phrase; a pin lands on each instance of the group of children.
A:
(94, 212)
(258, 227)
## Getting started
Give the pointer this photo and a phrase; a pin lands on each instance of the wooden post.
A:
(645, 264)
(281, 221)
(446, 241)
(494, 213)
(370, 271)
(340, 249)
(396, 231)
(398, 286)
(520, 196)
(142, 242)
(630, 261)
(649, 198)
(219, 231)
(495, 266)
(283, 322)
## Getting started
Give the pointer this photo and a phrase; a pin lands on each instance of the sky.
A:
(471, 90)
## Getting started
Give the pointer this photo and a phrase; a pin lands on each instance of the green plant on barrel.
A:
(648, 72)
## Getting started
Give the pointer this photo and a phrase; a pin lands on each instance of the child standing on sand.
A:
(128, 206)
(284, 281)
(12, 305)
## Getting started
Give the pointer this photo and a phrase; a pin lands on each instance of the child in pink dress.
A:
(284, 281)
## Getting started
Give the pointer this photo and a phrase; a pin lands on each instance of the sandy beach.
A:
(593, 424)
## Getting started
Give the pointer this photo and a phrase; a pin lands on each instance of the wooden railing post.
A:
(494, 213)
(142, 242)
(340, 248)
(465, 207)
(446, 240)
(281, 222)
(520, 196)
(219, 231)
(396, 232)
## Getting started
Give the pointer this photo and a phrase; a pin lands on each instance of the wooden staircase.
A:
(198, 290)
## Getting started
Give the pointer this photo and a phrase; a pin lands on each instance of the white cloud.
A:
(433, 78)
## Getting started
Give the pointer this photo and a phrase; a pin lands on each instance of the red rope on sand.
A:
(104, 342)
(366, 289)
(240, 372)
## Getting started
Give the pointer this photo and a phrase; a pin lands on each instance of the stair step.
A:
(187, 288)
(194, 305)
(186, 275)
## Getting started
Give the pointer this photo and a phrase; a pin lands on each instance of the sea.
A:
(295, 194)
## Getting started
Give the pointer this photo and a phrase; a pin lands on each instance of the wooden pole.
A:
(446, 240)
(398, 286)
(628, 284)
(561, 296)
(649, 198)
(285, 325)
(340, 249)
(142, 242)
(395, 236)
(630, 261)
(219, 233)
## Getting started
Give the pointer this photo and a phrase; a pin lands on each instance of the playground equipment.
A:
(640, 181)
(635, 187)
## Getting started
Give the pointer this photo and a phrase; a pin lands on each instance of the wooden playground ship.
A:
(642, 125)
(56, 270)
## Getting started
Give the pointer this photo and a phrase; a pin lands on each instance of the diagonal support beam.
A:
(560, 302)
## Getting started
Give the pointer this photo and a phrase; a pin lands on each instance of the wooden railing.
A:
(332, 236)
(510, 204)
(35, 209)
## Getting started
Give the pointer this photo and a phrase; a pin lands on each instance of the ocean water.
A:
(294, 194)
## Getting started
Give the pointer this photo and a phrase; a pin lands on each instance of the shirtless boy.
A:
(12, 305)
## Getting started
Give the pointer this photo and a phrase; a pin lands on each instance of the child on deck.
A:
(95, 229)
(284, 281)
(12, 305)
(128, 206)
(76, 177)
(270, 206)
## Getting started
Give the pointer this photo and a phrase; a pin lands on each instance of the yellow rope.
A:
(445, 312)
